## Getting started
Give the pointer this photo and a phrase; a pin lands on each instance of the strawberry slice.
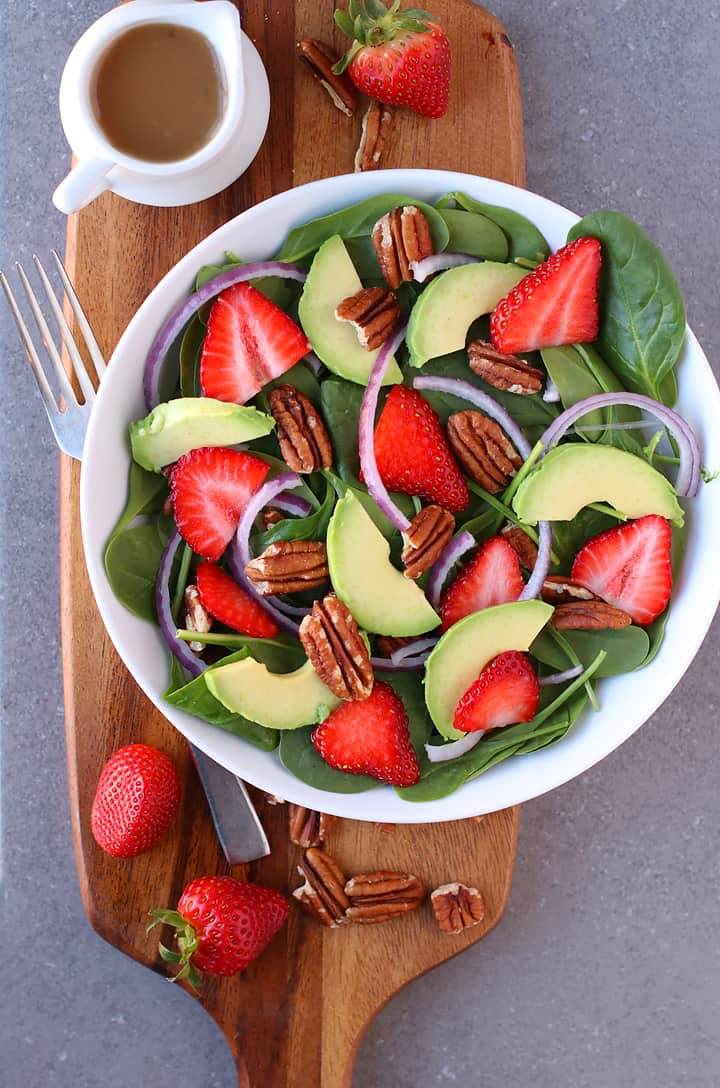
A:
(210, 487)
(370, 737)
(413, 454)
(491, 577)
(506, 692)
(555, 304)
(231, 604)
(629, 566)
(249, 342)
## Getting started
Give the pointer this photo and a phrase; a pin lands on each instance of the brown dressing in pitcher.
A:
(158, 92)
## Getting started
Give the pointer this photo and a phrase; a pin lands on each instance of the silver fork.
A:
(237, 824)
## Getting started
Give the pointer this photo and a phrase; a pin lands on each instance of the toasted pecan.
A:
(503, 371)
(339, 655)
(483, 449)
(457, 907)
(425, 538)
(303, 437)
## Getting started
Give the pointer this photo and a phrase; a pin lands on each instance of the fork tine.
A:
(66, 389)
(92, 345)
(47, 395)
(75, 357)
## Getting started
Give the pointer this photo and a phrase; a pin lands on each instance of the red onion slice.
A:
(560, 677)
(384, 664)
(313, 362)
(441, 753)
(239, 552)
(419, 648)
(163, 606)
(439, 262)
(450, 555)
(179, 317)
(293, 504)
(457, 388)
(366, 431)
(688, 476)
(542, 564)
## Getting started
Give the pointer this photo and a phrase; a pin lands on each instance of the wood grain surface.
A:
(295, 1018)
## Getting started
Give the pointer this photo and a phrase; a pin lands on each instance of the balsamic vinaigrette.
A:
(158, 92)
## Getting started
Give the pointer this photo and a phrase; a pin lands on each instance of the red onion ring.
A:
(450, 555)
(179, 317)
(560, 677)
(239, 554)
(688, 476)
(293, 504)
(313, 362)
(457, 388)
(384, 664)
(419, 648)
(441, 753)
(542, 564)
(366, 431)
(163, 606)
(438, 262)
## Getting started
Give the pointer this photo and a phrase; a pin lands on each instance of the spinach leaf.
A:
(190, 349)
(147, 492)
(195, 698)
(300, 377)
(569, 536)
(356, 221)
(132, 558)
(523, 237)
(280, 654)
(626, 649)
(299, 757)
(642, 314)
(312, 527)
(474, 234)
(656, 635)
(386, 527)
(363, 256)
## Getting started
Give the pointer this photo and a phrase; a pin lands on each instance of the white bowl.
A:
(626, 701)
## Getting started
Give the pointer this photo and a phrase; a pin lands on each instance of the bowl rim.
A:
(502, 786)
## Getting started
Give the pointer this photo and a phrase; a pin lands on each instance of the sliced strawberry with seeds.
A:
(232, 605)
(555, 304)
(629, 566)
(370, 737)
(506, 692)
(249, 342)
(491, 577)
(413, 454)
(210, 488)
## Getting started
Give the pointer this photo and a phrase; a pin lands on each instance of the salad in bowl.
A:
(415, 470)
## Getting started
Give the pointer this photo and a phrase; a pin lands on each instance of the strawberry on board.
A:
(398, 57)
(249, 341)
(629, 566)
(412, 453)
(210, 487)
(136, 800)
(506, 692)
(491, 577)
(370, 737)
(221, 925)
(555, 304)
(232, 605)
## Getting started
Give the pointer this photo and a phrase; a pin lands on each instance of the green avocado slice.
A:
(275, 700)
(189, 423)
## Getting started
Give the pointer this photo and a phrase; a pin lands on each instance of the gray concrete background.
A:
(604, 972)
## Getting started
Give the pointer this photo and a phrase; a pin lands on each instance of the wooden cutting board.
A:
(295, 1019)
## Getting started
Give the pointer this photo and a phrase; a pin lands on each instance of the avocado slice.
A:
(380, 598)
(570, 477)
(464, 651)
(446, 309)
(276, 700)
(332, 278)
(178, 426)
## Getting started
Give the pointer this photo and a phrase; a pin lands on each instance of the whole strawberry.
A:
(221, 926)
(135, 801)
(398, 57)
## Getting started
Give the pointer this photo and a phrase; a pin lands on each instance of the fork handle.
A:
(85, 181)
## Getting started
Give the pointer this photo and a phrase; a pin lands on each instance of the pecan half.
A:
(483, 449)
(306, 827)
(424, 539)
(400, 237)
(323, 893)
(381, 896)
(289, 566)
(303, 437)
(457, 907)
(195, 617)
(557, 589)
(320, 59)
(387, 644)
(525, 548)
(338, 653)
(271, 516)
(373, 312)
(503, 371)
(589, 616)
(376, 125)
